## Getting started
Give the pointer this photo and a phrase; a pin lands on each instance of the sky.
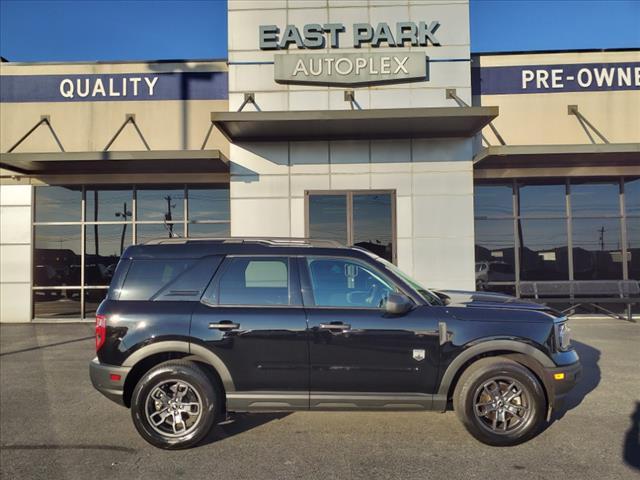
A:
(77, 30)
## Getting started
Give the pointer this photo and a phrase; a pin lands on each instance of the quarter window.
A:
(343, 283)
(253, 281)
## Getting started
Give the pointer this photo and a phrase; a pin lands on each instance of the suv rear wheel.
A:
(500, 402)
(174, 405)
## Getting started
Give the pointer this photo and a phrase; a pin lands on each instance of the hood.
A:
(461, 298)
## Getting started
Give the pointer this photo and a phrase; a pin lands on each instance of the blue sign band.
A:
(580, 77)
(114, 87)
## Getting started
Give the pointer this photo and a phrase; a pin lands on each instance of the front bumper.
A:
(560, 381)
(104, 379)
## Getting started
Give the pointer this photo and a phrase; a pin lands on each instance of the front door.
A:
(355, 346)
(252, 318)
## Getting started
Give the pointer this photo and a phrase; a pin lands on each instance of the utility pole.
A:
(601, 231)
(124, 214)
(167, 216)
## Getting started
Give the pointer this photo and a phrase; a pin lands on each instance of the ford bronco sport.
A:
(192, 330)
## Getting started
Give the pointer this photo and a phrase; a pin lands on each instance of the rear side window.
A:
(255, 281)
(147, 277)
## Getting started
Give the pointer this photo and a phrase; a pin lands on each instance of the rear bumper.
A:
(103, 378)
(561, 381)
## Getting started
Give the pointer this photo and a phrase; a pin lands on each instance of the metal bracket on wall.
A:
(350, 96)
(450, 93)
(249, 97)
(129, 118)
(585, 124)
(46, 119)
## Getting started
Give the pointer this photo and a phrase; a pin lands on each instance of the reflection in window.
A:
(57, 304)
(597, 249)
(56, 255)
(104, 245)
(92, 299)
(495, 259)
(543, 255)
(209, 203)
(632, 196)
(160, 203)
(493, 200)
(373, 224)
(109, 204)
(542, 200)
(209, 230)
(633, 247)
(595, 198)
(328, 217)
(58, 204)
(146, 232)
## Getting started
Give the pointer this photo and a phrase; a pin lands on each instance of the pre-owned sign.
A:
(350, 69)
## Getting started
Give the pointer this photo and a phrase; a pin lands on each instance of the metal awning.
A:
(549, 156)
(158, 161)
(353, 124)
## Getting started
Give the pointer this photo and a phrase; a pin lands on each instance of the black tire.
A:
(152, 398)
(480, 401)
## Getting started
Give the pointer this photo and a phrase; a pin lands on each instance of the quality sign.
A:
(350, 69)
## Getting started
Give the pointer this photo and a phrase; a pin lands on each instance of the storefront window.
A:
(108, 204)
(542, 200)
(546, 211)
(364, 219)
(70, 276)
(495, 267)
(494, 200)
(372, 223)
(58, 204)
(328, 217)
(160, 204)
(632, 209)
(595, 198)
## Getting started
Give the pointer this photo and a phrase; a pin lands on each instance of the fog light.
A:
(558, 376)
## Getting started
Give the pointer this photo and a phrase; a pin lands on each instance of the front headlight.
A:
(563, 336)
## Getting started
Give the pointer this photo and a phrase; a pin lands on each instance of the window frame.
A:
(211, 295)
(349, 194)
(570, 182)
(181, 227)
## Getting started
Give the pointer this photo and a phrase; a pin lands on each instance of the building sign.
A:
(114, 87)
(580, 77)
(349, 69)
(314, 35)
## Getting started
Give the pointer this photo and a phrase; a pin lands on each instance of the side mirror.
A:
(397, 304)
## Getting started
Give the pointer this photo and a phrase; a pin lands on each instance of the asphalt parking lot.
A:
(54, 425)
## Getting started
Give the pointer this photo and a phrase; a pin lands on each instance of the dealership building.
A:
(368, 122)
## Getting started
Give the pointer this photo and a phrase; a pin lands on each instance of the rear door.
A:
(252, 318)
(355, 346)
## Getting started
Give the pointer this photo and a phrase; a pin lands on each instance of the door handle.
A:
(224, 325)
(343, 327)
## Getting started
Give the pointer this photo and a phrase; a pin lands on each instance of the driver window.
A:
(344, 283)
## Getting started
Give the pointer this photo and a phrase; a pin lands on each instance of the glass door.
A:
(364, 218)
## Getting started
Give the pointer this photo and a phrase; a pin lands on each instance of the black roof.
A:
(201, 247)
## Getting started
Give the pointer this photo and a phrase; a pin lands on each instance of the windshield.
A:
(430, 297)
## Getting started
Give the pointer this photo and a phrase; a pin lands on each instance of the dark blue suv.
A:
(192, 330)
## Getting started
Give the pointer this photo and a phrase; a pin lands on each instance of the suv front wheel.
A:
(500, 402)
(174, 405)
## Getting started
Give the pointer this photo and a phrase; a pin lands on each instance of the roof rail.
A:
(273, 241)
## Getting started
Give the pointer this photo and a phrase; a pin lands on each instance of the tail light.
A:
(101, 330)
